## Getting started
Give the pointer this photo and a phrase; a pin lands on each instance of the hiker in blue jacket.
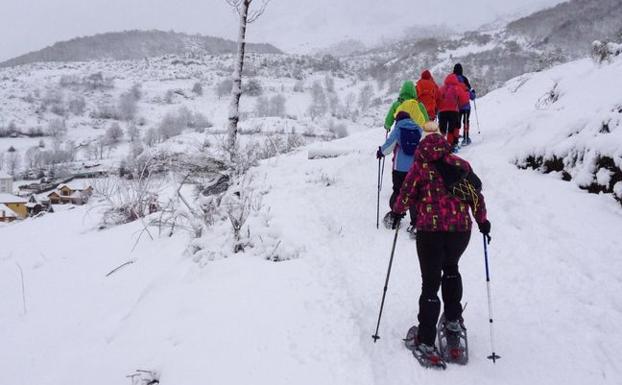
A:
(402, 142)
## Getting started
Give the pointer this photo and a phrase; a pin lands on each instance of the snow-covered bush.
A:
(127, 105)
(299, 86)
(132, 132)
(126, 200)
(77, 105)
(224, 88)
(252, 88)
(319, 104)
(172, 125)
(274, 106)
(197, 89)
(605, 51)
(57, 129)
(339, 130)
(114, 133)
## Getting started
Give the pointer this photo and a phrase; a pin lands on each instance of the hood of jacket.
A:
(432, 148)
(407, 124)
(408, 91)
(426, 75)
(458, 69)
(451, 80)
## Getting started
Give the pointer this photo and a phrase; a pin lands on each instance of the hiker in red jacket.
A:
(427, 90)
(451, 96)
(443, 233)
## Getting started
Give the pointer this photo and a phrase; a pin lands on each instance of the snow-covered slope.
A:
(69, 319)
(566, 120)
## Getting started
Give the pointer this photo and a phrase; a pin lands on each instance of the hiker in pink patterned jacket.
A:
(443, 232)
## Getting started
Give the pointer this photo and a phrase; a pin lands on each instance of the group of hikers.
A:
(424, 168)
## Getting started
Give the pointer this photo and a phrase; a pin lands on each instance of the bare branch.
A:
(254, 15)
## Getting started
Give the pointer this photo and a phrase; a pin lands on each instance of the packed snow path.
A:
(554, 262)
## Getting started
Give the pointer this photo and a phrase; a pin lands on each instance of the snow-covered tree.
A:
(319, 104)
(246, 17)
(114, 133)
(12, 160)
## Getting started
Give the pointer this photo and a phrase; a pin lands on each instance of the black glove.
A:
(396, 219)
(379, 154)
(484, 228)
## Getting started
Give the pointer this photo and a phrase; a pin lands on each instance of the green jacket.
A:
(408, 91)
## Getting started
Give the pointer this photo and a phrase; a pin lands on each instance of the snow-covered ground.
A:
(242, 319)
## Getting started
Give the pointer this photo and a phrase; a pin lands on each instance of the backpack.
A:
(464, 185)
(409, 139)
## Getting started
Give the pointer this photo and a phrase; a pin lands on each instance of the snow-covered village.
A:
(275, 192)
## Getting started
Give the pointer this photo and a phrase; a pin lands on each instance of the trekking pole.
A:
(493, 356)
(378, 203)
(479, 131)
(386, 283)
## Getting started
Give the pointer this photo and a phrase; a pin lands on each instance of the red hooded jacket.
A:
(427, 91)
(452, 95)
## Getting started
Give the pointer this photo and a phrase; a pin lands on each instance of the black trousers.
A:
(465, 115)
(398, 180)
(448, 121)
(439, 253)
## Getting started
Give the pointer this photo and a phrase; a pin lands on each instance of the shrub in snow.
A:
(339, 130)
(328, 63)
(224, 88)
(127, 106)
(12, 161)
(605, 51)
(57, 129)
(126, 200)
(329, 83)
(97, 81)
(152, 136)
(252, 88)
(197, 89)
(319, 104)
(274, 106)
(172, 125)
(114, 133)
(299, 86)
(168, 97)
(365, 96)
(133, 133)
(105, 111)
(77, 105)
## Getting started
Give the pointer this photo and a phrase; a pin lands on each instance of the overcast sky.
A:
(292, 25)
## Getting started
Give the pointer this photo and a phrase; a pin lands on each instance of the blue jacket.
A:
(401, 161)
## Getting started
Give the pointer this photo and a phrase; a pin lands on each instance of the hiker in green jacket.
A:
(408, 102)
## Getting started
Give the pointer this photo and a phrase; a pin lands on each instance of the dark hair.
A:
(402, 115)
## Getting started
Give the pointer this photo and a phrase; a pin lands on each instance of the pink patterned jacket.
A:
(437, 210)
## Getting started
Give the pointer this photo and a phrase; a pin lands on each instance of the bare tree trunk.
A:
(236, 92)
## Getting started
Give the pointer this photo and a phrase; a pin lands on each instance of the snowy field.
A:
(555, 263)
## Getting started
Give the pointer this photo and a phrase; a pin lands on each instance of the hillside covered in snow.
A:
(136, 302)
(133, 45)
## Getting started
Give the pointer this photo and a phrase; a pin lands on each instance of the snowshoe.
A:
(455, 149)
(452, 341)
(427, 356)
(466, 142)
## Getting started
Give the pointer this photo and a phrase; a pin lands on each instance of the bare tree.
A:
(12, 161)
(246, 17)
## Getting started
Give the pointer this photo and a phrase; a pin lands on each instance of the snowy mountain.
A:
(495, 54)
(163, 304)
(130, 45)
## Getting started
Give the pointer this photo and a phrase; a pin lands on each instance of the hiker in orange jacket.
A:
(427, 90)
